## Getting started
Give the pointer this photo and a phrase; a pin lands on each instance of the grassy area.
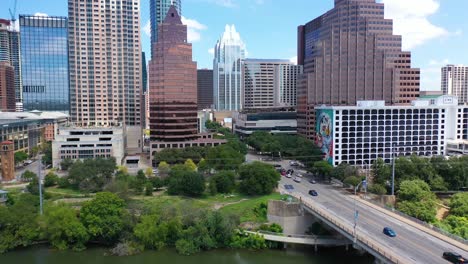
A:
(246, 209)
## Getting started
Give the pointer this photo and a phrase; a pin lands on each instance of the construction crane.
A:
(13, 13)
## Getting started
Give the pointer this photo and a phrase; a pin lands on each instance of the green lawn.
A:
(246, 209)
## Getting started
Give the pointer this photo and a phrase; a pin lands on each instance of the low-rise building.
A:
(273, 121)
(370, 130)
(87, 143)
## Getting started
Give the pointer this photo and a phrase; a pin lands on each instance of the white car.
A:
(297, 179)
(288, 175)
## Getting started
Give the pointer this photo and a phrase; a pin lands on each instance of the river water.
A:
(44, 255)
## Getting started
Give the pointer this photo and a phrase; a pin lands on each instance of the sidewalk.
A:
(416, 225)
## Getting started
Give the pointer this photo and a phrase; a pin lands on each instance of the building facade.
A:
(105, 66)
(205, 89)
(7, 157)
(44, 63)
(360, 134)
(274, 121)
(158, 12)
(7, 87)
(229, 53)
(10, 52)
(454, 81)
(269, 83)
(88, 143)
(350, 54)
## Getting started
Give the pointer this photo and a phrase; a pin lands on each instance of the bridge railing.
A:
(370, 243)
(433, 228)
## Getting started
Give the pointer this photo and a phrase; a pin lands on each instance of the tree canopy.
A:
(184, 181)
(258, 178)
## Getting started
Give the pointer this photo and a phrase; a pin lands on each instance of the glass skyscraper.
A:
(227, 71)
(44, 63)
(158, 11)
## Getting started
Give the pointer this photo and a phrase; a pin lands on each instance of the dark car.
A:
(454, 257)
(389, 232)
(313, 192)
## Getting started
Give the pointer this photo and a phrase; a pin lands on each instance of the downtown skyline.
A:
(434, 38)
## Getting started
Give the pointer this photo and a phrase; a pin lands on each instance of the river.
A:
(44, 255)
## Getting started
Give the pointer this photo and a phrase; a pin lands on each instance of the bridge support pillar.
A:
(316, 248)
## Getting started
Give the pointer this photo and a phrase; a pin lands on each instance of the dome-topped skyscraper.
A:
(229, 54)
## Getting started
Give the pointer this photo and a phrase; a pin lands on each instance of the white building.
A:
(229, 54)
(454, 81)
(275, 122)
(87, 143)
(360, 134)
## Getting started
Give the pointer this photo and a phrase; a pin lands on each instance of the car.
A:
(291, 171)
(389, 232)
(283, 173)
(454, 257)
(297, 179)
(313, 192)
(289, 175)
(312, 181)
(278, 166)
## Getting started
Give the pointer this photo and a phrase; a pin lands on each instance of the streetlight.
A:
(356, 212)
(393, 169)
(39, 165)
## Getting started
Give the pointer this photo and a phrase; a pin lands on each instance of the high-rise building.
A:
(10, 52)
(173, 80)
(351, 54)
(105, 66)
(144, 102)
(455, 82)
(229, 54)
(44, 63)
(205, 88)
(158, 11)
(269, 83)
(7, 87)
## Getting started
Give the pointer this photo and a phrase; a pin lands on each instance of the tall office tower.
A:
(351, 54)
(269, 83)
(205, 88)
(173, 85)
(105, 65)
(144, 78)
(455, 82)
(10, 52)
(227, 71)
(44, 63)
(7, 87)
(158, 11)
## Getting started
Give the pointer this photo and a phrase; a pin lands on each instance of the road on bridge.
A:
(410, 243)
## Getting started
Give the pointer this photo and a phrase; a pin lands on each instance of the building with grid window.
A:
(269, 83)
(350, 54)
(44, 63)
(454, 81)
(10, 52)
(88, 143)
(360, 134)
(105, 66)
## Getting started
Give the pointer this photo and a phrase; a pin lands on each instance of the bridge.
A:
(302, 239)
(413, 244)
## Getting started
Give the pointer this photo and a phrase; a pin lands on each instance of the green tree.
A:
(343, 171)
(459, 204)
(378, 189)
(148, 189)
(416, 199)
(456, 225)
(163, 169)
(183, 181)
(91, 175)
(381, 172)
(63, 229)
(33, 187)
(190, 164)
(353, 181)
(323, 168)
(47, 151)
(34, 151)
(51, 179)
(258, 178)
(20, 156)
(149, 172)
(224, 157)
(156, 182)
(103, 217)
(28, 175)
(223, 181)
(66, 164)
(203, 166)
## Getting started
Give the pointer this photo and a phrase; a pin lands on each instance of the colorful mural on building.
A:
(324, 133)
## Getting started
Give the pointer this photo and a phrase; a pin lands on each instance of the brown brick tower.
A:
(351, 54)
(7, 154)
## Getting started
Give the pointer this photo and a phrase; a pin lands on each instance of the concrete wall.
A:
(134, 140)
(291, 216)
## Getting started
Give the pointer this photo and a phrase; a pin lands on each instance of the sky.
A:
(435, 31)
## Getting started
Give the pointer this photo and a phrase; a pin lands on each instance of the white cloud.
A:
(411, 20)
(225, 3)
(193, 29)
(293, 59)
(431, 73)
(41, 14)
(147, 28)
(211, 51)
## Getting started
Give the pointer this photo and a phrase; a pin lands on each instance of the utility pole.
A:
(393, 169)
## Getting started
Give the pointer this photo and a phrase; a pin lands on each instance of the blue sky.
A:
(434, 30)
